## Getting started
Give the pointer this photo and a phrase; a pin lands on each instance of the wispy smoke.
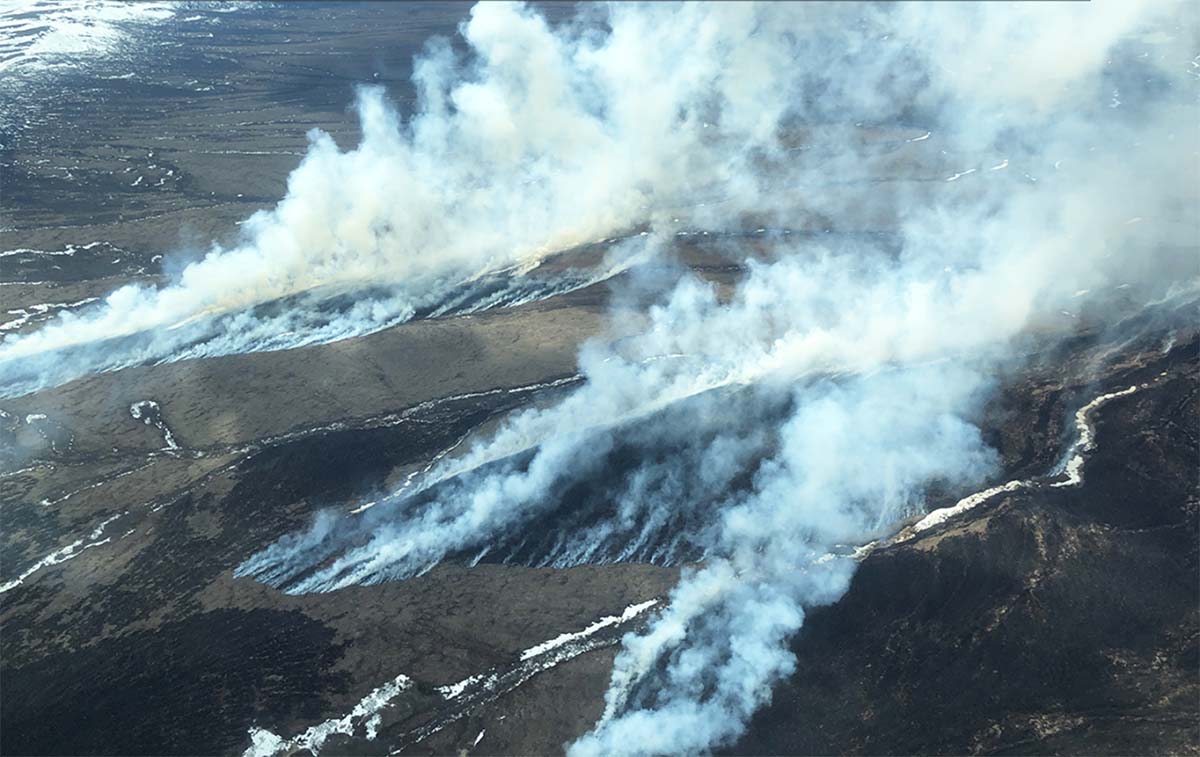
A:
(767, 431)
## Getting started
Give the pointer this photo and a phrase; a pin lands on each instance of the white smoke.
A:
(534, 142)
(542, 139)
(1029, 189)
(710, 659)
(884, 350)
(854, 456)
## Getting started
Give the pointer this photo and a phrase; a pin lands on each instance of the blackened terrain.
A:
(1063, 621)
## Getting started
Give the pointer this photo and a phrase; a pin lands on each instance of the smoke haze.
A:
(1025, 160)
(536, 142)
(1054, 172)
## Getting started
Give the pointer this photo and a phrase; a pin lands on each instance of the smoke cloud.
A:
(533, 142)
(1036, 165)
(1019, 166)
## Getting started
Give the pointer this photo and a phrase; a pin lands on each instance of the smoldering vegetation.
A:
(538, 141)
(762, 435)
(317, 316)
(646, 490)
(1038, 172)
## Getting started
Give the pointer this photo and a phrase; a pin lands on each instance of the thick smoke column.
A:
(708, 662)
(1056, 173)
(532, 143)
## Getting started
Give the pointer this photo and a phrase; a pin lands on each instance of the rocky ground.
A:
(1044, 620)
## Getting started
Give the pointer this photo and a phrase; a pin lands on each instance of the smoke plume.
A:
(1033, 164)
(1018, 167)
(536, 141)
